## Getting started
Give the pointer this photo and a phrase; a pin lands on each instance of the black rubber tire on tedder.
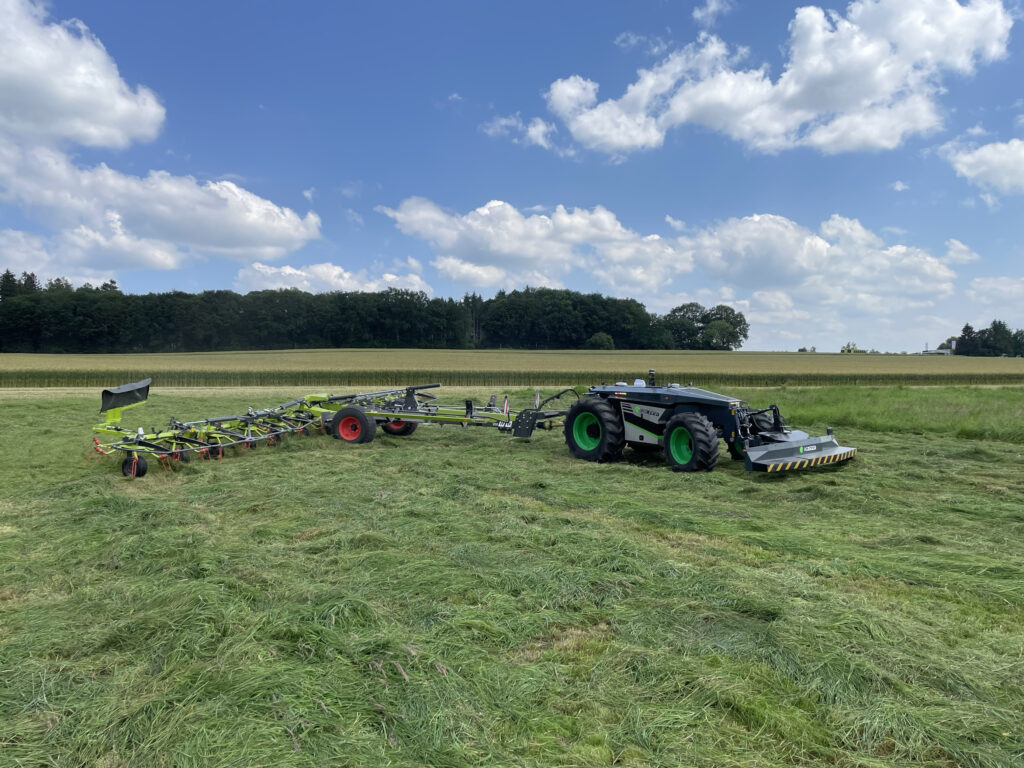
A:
(691, 443)
(352, 425)
(399, 428)
(134, 466)
(594, 431)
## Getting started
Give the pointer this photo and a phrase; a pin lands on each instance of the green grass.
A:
(459, 598)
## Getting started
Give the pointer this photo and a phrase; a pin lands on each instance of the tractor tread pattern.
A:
(614, 438)
(705, 442)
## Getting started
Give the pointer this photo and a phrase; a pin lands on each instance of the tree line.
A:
(995, 341)
(57, 317)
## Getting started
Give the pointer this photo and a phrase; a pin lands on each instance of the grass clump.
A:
(460, 598)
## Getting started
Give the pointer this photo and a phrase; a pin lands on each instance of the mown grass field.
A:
(499, 368)
(459, 598)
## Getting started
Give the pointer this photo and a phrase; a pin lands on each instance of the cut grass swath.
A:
(456, 599)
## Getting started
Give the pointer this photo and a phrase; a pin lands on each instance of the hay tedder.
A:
(684, 423)
(351, 418)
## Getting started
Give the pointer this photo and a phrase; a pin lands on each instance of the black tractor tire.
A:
(691, 443)
(134, 466)
(594, 431)
(763, 422)
(399, 428)
(352, 425)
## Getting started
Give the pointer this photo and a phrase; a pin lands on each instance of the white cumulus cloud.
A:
(320, 278)
(1001, 297)
(537, 132)
(496, 245)
(793, 281)
(59, 87)
(57, 82)
(996, 290)
(866, 80)
(707, 14)
(958, 253)
(843, 265)
(998, 166)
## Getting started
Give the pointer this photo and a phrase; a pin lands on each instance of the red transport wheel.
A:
(399, 428)
(352, 425)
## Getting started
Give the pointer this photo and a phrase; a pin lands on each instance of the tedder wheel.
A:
(593, 430)
(134, 466)
(352, 425)
(399, 428)
(691, 443)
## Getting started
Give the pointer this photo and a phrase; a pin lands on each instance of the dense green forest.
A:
(57, 317)
(995, 341)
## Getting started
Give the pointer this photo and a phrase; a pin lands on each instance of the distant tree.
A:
(967, 343)
(60, 318)
(997, 339)
(1018, 343)
(600, 340)
(474, 304)
(9, 286)
(685, 323)
(724, 328)
(58, 284)
(29, 283)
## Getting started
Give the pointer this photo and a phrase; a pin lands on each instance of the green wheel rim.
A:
(680, 444)
(586, 431)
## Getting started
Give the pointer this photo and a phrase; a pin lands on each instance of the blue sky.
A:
(842, 171)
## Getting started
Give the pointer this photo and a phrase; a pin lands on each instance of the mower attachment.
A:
(797, 451)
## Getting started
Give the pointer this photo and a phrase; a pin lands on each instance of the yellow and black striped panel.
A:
(835, 458)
